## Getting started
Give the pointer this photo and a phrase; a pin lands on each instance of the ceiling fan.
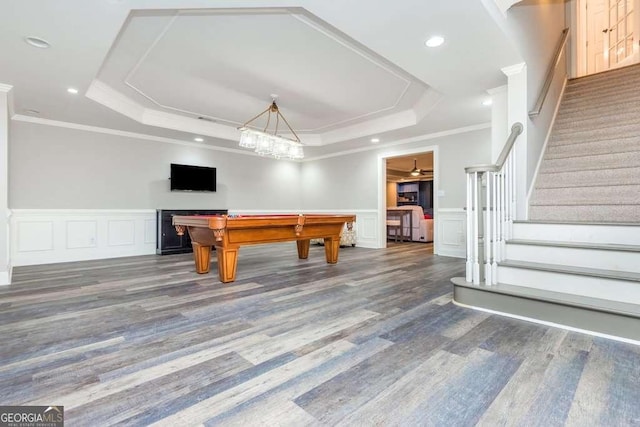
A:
(394, 173)
(417, 172)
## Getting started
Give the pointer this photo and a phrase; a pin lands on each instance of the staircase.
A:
(576, 262)
(589, 172)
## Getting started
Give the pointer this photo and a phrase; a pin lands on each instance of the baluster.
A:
(513, 195)
(476, 265)
(508, 204)
(469, 266)
(494, 219)
(487, 231)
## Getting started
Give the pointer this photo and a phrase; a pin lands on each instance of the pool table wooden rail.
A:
(228, 233)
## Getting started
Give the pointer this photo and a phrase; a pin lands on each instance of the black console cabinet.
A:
(167, 240)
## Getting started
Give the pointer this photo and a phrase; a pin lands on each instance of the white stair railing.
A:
(493, 210)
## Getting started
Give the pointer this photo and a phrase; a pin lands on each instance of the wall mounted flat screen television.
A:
(192, 178)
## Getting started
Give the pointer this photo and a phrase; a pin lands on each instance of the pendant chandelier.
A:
(268, 143)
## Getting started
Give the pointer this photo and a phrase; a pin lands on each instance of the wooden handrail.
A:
(550, 73)
(516, 130)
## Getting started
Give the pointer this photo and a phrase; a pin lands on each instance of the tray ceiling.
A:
(344, 75)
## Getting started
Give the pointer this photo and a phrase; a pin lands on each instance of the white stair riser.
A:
(577, 257)
(587, 233)
(595, 287)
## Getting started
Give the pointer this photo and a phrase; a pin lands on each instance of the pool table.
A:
(227, 233)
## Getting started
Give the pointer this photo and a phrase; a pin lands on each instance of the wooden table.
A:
(228, 233)
(399, 214)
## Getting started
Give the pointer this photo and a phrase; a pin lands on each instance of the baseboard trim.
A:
(616, 326)
(5, 276)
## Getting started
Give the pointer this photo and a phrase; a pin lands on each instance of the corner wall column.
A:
(499, 121)
(5, 261)
(517, 111)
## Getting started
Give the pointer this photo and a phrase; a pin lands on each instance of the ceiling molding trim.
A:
(127, 134)
(6, 88)
(496, 90)
(505, 5)
(388, 123)
(146, 53)
(357, 48)
(307, 19)
(427, 103)
(104, 94)
(514, 69)
(187, 124)
(425, 137)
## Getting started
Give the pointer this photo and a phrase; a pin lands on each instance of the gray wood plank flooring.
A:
(372, 340)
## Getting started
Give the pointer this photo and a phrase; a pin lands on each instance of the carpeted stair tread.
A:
(589, 178)
(597, 110)
(586, 214)
(601, 195)
(602, 97)
(594, 162)
(603, 121)
(581, 148)
(591, 133)
(608, 78)
(573, 92)
(584, 137)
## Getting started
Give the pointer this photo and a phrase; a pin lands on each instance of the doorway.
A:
(396, 191)
(608, 35)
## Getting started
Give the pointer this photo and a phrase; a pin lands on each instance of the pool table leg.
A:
(227, 263)
(202, 256)
(303, 248)
(331, 248)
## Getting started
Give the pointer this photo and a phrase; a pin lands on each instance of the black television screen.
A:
(192, 178)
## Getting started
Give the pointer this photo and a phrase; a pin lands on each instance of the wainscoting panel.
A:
(452, 229)
(121, 233)
(34, 236)
(150, 230)
(81, 234)
(44, 236)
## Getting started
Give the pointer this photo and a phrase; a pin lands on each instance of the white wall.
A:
(351, 181)
(54, 167)
(536, 28)
(5, 267)
(79, 194)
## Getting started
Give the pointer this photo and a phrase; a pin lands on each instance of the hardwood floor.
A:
(372, 340)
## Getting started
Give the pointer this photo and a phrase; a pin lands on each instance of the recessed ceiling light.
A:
(375, 140)
(37, 42)
(198, 139)
(487, 102)
(72, 90)
(434, 41)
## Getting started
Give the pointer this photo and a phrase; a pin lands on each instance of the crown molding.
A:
(142, 136)
(514, 69)
(424, 137)
(496, 90)
(5, 87)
